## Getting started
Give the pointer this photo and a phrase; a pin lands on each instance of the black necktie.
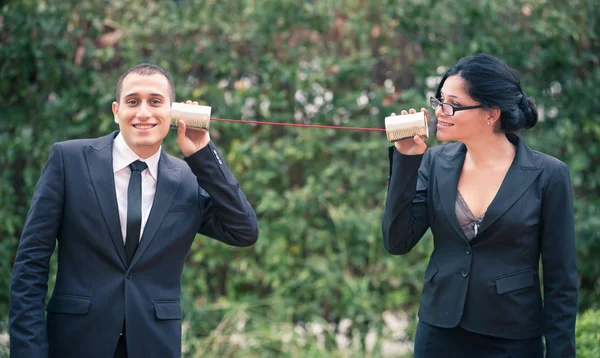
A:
(134, 208)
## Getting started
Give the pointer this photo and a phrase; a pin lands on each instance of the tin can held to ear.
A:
(194, 116)
(406, 126)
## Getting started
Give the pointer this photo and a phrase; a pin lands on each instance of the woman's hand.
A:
(415, 145)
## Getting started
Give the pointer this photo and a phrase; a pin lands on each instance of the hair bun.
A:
(524, 103)
(529, 109)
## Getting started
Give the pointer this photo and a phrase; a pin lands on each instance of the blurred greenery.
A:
(318, 282)
(588, 334)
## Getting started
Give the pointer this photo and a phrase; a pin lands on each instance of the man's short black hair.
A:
(146, 69)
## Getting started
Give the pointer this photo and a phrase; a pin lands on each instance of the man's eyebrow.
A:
(137, 94)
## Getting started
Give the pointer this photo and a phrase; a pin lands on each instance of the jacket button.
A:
(468, 251)
(464, 272)
(128, 274)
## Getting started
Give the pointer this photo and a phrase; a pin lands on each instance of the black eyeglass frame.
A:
(435, 103)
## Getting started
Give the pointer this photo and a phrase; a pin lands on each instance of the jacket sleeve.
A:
(29, 286)
(559, 266)
(228, 216)
(405, 218)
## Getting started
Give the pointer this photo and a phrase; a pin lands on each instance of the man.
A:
(124, 214)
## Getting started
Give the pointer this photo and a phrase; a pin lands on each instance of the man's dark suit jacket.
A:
(75, 204)
(491, 284)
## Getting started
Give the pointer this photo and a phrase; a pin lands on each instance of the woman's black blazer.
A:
(491, 284)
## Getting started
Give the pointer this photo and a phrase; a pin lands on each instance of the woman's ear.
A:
(493, 115)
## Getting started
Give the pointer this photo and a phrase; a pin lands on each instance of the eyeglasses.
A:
(448, 108)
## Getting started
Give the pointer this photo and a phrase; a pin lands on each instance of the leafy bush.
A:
(587, 334)
(318, 193)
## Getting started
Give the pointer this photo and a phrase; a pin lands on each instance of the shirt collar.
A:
(123, 156)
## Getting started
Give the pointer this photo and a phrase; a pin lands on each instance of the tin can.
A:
(406, 126)
(194, 116)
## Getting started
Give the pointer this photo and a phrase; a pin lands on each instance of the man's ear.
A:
(115, 109)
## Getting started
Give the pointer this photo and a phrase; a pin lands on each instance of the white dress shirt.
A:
(122, 157)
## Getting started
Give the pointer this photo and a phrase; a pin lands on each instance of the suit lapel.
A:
(521, 174)
(99, 162)
(166, 188)
(447, 176)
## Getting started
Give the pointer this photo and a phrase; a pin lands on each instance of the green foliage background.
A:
(319, 194)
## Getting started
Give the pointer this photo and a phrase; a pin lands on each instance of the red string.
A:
(299, 125)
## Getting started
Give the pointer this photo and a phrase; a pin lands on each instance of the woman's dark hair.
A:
(493, 84)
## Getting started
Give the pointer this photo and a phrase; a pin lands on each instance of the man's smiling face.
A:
(144, 112)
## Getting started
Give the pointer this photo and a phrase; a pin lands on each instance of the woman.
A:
(494, 207)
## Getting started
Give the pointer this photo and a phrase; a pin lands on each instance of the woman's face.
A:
(463, 125)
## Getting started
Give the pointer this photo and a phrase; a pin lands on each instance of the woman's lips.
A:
(444, 124)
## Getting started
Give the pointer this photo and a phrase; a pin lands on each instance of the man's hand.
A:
(191, 140)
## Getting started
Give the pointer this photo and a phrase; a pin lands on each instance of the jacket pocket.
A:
(181, 207)
(514, 281)
(167, 310)
(68, 304)
(431, 270)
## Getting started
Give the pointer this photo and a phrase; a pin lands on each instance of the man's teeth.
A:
(445, 124)
(144, 126)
